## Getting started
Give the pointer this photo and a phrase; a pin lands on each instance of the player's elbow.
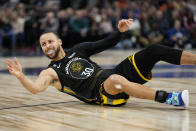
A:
(34, 91)
(37, 88)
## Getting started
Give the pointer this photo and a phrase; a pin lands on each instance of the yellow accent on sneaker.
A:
(175, 98)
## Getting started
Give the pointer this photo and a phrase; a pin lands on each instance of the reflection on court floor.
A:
(55, 111)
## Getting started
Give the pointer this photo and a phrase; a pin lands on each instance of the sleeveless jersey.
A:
(77, 72)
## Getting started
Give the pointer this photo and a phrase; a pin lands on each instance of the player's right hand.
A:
(124, 24)
(15, 68)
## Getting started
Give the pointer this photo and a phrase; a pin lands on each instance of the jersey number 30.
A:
(87, 72)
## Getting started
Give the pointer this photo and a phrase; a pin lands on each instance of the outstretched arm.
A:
(42, 82)
(91, 48)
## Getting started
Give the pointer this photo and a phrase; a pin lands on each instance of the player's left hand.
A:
(15, 68)
(124, 24)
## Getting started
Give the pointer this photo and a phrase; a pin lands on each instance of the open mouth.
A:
(49, 52)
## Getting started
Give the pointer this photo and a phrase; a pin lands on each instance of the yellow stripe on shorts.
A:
(138, 71)
(109, 101)
(119, 101)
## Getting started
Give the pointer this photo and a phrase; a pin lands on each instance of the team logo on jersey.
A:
(76, 66)
(79, 68)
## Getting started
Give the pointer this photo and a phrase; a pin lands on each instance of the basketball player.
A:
(72, 71)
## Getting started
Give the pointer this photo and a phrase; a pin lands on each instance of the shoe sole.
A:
(185, 98)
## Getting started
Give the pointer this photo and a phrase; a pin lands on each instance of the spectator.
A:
(18, 28)
(94, 31)
(33, 25)
(113, 17)
(191, 4)
(80, 26)
(123, 5)
(177, 35)
(188, 20)
(168, 8)
(134, 32)
(163, 24)
(151, 14)
(83, 20)
(6, 31)
(193, 40)
(155, 36)
(145, 30)
(105, 25)
(21, 11)
(50, 23)
(134, 9)
(175, 16)
(32, 29)
(63, 29)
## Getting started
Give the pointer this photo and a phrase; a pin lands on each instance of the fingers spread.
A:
(16, 61)
(9, 62)
(9, 68)
(12, 72)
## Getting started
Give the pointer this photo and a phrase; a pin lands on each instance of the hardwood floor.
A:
(55, 111)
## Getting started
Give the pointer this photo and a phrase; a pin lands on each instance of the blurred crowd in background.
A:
(168, 22)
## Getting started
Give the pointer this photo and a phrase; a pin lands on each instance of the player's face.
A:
(50, 45)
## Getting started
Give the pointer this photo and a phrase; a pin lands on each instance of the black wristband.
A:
(161, 96)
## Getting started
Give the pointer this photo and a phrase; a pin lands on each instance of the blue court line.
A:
(162, 66)
(175, 74)
(46, 104)
(37, 70)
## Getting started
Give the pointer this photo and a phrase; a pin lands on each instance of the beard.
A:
(56, 53)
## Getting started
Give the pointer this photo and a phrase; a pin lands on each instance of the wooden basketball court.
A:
(55, 111)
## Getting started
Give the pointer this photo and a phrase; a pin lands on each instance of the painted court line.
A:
(45, 104)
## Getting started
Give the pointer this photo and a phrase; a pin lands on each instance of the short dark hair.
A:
(53, 32)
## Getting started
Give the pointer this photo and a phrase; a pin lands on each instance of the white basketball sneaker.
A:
(178, 99)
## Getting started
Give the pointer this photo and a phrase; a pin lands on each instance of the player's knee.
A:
(114, 84)
(115, 79)
(117, 82)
